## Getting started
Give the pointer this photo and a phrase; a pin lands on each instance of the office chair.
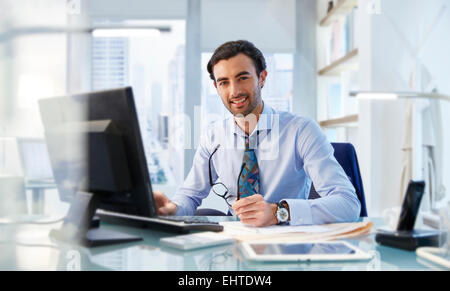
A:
(345, 154)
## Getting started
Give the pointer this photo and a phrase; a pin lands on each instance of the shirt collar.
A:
(265, 122)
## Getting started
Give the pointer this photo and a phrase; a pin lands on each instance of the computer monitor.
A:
(95, 147)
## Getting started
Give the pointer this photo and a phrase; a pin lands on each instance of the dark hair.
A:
(233, 48)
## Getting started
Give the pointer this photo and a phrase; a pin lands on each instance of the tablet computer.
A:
(302, 251)
(196, 240)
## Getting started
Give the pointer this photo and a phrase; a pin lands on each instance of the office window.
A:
(109, 62)
(277, 91)
(152, 63)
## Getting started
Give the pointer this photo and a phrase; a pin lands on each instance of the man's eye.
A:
(222, 83)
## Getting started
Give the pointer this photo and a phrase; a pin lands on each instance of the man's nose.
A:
(235, 89)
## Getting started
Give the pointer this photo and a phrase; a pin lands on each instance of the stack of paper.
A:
(333, 231)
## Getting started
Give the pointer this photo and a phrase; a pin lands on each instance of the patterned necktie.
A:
(249, 178)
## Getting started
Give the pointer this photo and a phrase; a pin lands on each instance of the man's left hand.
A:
(254, 210)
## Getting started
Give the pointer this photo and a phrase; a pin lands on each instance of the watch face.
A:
(282, 214)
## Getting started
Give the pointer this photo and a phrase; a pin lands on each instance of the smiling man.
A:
(262, 189)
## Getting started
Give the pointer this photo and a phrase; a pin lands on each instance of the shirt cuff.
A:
(180, 210)
(299, 212)
(183, 208)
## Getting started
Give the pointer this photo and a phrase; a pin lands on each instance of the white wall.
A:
(385, 65)
(37, 13)
(269, 24)
(137, 9)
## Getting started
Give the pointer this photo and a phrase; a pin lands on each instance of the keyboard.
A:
(188, 219)
(179, 224)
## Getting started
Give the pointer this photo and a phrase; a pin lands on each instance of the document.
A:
(243, 232)
(239, 227)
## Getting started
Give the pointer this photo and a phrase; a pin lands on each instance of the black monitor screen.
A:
(114, 108)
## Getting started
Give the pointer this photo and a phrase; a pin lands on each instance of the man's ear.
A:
(262, 78)
(215, 84)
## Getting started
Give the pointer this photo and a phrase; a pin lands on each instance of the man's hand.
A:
(163, 204)
(254, 210)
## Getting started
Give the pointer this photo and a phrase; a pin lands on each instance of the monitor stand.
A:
(80, 227)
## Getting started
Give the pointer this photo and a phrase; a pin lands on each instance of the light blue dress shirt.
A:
(292, 151)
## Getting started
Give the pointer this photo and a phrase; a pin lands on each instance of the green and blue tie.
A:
(249, 178)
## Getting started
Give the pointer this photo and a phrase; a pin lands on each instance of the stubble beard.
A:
(254, 102)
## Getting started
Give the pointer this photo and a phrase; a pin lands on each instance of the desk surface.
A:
(28, 247)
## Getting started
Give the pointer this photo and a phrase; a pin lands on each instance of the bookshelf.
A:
(347, 62)
(350, 120)
(337, 72)
(342, 8)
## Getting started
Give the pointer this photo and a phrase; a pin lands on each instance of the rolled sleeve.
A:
(186, 205)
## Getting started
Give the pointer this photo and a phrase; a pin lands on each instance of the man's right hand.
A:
(163, 204)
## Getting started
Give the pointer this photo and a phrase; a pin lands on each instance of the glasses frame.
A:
(225, 196)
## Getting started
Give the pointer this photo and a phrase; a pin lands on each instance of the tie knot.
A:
(251, 143)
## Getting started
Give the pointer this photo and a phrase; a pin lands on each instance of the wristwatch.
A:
(283, 212)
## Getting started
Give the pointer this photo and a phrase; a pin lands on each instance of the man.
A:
(272, 188)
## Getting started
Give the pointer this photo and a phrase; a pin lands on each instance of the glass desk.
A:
(28, 247)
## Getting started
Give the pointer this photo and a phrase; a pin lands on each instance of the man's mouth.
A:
(239, 102)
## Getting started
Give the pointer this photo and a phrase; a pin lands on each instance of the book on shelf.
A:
(342, 37)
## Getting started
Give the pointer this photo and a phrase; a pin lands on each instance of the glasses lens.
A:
(220, 189)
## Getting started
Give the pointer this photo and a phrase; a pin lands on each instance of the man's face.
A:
(238, 84)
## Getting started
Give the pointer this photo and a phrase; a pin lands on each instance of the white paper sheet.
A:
(237, 227)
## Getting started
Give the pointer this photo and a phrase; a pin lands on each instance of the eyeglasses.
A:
(219, 188)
